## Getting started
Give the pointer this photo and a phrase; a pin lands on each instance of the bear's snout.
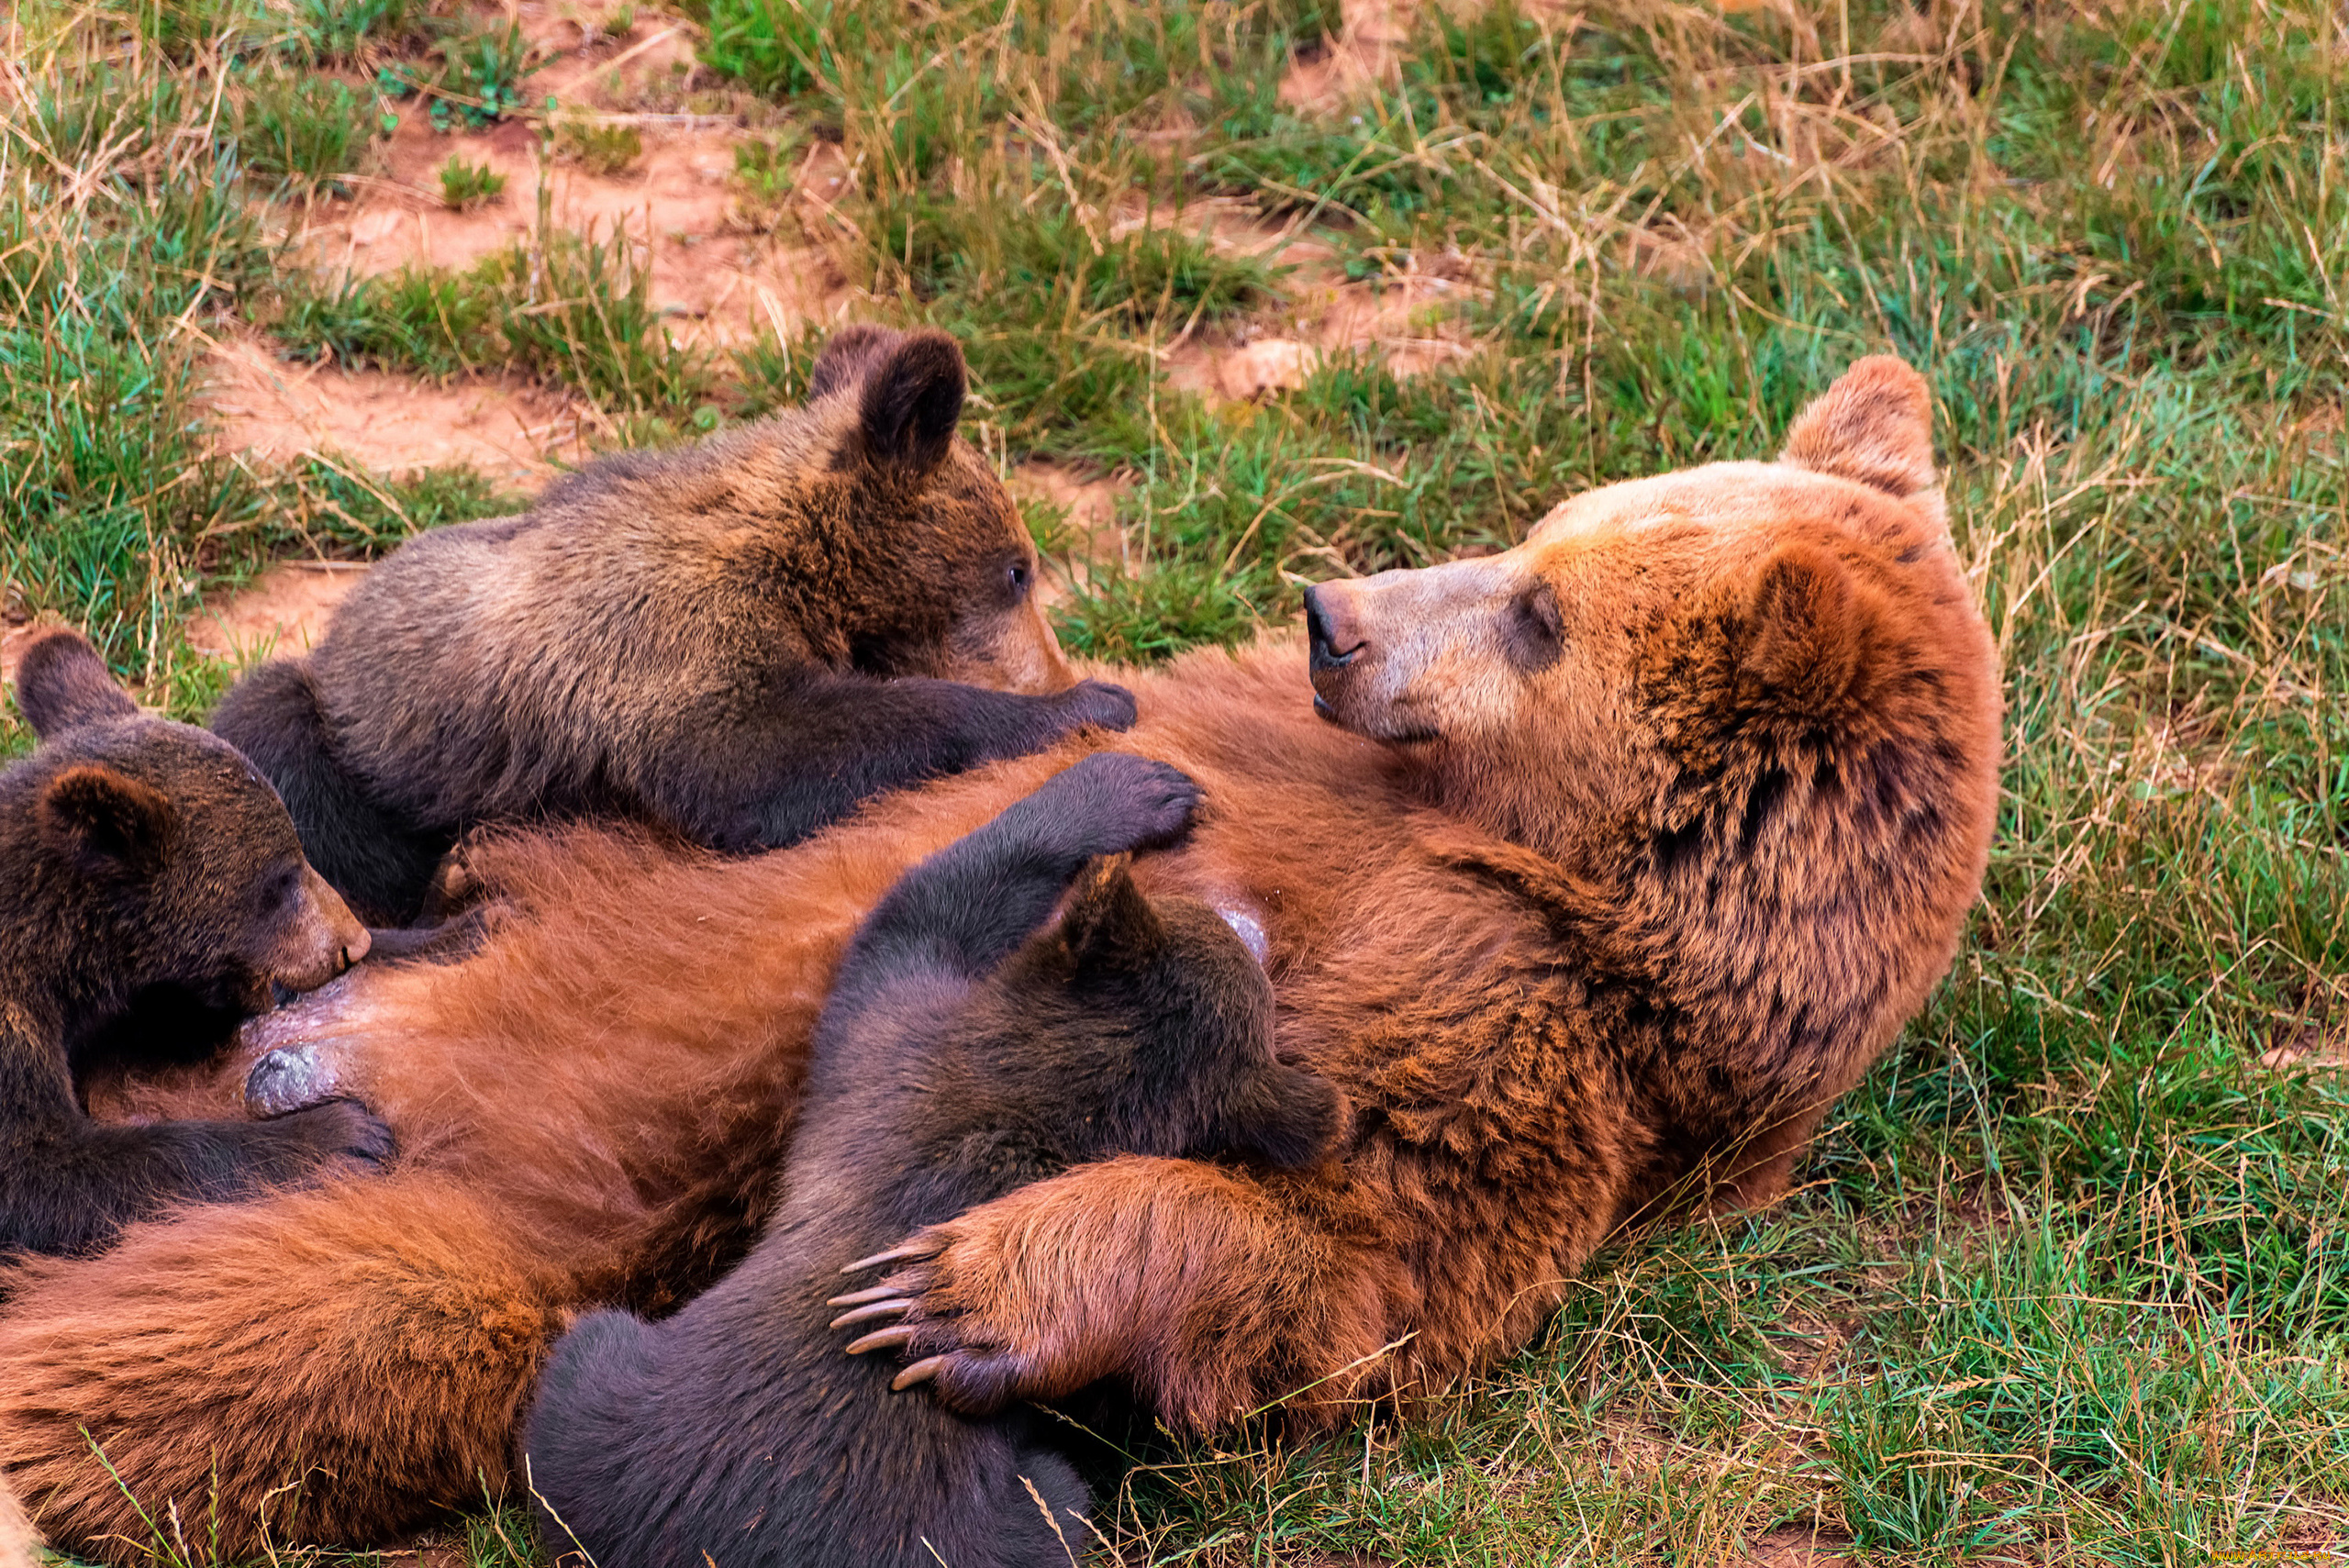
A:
(1328, 624)
(1330, 632)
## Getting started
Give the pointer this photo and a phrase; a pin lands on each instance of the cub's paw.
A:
(1112, 802)
(950, 1315)
(343, 1129)
(1097, 703)
(445, 941)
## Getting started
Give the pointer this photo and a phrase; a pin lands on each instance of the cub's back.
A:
(515, 653)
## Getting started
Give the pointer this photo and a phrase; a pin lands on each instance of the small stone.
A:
(1268, 364)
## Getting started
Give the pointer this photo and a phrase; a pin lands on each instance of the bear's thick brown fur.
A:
(737, 642)
(1683, 804)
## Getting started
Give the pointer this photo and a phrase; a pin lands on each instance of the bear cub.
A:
(145, 871)
(737, 642)
(963, 1053)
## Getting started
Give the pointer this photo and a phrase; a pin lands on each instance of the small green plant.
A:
(465, 185)
(338, 32)
(477, 79)
(783, 47)
(305, 130)
(185, 28)
(598, 147)
(765, 171)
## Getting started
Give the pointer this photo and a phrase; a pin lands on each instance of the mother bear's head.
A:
(1752, 706)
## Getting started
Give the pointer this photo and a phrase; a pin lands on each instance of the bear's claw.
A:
(921, 1371)
(889, 1339)
(904, 1252)
(859, 1297)
(890, 1308)
(288, 1079)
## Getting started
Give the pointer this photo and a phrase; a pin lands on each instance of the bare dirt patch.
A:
(1361, 59)
(283, 611)
(1799, 1547)
(275, 411)
(2310, 1050)
(719, 285)
(1089, 506)
(1405, 322)
(606, 69)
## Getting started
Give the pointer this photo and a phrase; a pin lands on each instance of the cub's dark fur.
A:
(146, 871)
(739, 642)
(964, 1053)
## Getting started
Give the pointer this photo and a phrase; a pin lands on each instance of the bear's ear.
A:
(63, 684)
(913, 397)
(1874, 424)
(1806, 628)
(848, 355)
(105, 823)
(1108, 924)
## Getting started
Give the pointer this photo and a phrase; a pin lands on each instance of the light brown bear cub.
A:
(737, 642)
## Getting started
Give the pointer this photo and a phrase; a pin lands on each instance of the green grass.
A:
(465, 184)
(605, 150)
(474, 75)
(2067, 1278)
(569, 308)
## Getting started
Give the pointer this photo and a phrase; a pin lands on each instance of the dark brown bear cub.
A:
(143, 865)
(737, 642)
(963, 1053)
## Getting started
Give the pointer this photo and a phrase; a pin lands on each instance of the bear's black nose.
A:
(1328, 653)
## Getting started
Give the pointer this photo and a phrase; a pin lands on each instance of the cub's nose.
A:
(1329, 628)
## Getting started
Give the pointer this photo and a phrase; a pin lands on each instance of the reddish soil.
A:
(275, 411)
(283, 611)
(718, 284)
(1797, 1547)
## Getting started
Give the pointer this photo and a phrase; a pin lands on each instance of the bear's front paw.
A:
(1114, 802)
(1098, 702)
(338, 1129)
(948, 1314)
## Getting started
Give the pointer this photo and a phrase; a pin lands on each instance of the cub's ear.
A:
(1108, 924)
(1874, 424)
(848, 356)
(913, 397)
(63, 684)
(105, 823)
(1806, 628)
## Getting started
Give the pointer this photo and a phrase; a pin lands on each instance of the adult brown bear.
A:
(1627, 850)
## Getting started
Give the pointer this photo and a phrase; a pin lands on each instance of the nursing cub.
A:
(145, 871)
(964, 1053)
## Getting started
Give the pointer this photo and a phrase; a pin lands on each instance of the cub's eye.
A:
(280, 891)
(1017, 577)
(1533, 630)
